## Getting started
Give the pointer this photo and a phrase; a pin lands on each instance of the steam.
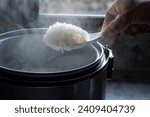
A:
(25, 52)
(72, 6)
(29, 53)
(3, 4)
(16, 14)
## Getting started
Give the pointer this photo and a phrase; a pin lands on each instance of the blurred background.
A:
(75, 6)
(22, 13)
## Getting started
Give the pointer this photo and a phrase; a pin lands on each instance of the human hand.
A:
(126, 16)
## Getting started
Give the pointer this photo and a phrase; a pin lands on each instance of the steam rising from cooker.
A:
(28, 53)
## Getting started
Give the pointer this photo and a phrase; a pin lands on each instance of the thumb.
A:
(118, 25)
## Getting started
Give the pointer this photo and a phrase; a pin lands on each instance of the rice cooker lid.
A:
(23, 52)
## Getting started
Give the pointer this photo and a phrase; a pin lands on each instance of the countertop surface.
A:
(127, 91)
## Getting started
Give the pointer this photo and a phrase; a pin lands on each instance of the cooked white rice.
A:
(62, 36)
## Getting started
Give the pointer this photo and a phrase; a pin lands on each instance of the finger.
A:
(120, 24)
(111, 14)
(108, 19)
